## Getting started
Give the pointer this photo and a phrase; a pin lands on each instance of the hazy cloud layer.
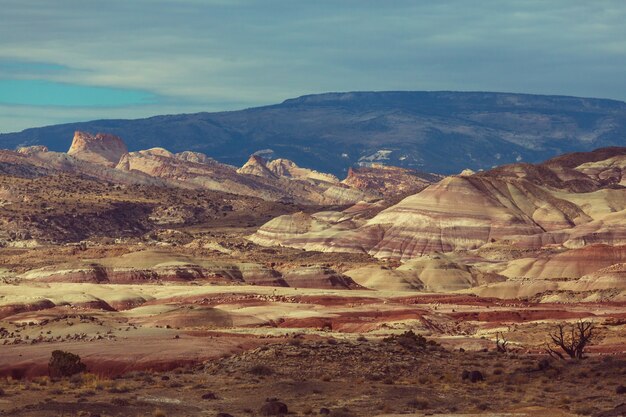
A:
(157, 56)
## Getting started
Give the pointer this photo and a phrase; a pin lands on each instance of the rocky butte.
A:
(102, 148)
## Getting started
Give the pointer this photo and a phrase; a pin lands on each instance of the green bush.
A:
(64, 364)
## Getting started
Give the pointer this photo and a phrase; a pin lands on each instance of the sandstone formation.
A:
(256, 166)
(430, 273)
(253, 179)
(29, 150)
(105, 157)
(568, 264)
(317, 277)
(523, 205)
(286, 168)
(389, 181)
(102, 149)
(161, 266)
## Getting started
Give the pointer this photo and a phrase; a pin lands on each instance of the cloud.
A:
(198, 54)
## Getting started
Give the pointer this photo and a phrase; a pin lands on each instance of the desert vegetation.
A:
(347, 377)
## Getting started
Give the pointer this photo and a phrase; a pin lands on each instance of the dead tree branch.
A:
(571, 342)
(501, 343)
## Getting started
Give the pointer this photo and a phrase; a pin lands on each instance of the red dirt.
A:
(112, 358)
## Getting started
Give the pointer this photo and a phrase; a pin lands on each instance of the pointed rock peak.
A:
(256, 165)
(257, 159)
(102, 148)
(282, 167)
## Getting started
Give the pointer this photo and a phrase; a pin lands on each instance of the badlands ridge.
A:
(555, 230)
(150, 261)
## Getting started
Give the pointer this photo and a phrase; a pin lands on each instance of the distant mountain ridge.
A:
(441, 132)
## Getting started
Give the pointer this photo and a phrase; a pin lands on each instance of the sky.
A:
(74, 60)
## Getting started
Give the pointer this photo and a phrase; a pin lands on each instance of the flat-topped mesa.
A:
(102, 148)
(256, 166)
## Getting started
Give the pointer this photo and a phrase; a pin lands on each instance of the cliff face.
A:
(101, 149)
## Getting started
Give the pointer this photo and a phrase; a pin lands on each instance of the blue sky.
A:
(69, 60)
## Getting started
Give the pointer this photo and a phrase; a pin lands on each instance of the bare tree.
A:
(501, 343)
(572, 342)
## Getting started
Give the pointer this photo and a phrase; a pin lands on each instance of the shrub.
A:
(65, 364)
(295, 342)
(261, 370)
(209, 396)
(473, 376)
(408, 340)
(274, 408)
